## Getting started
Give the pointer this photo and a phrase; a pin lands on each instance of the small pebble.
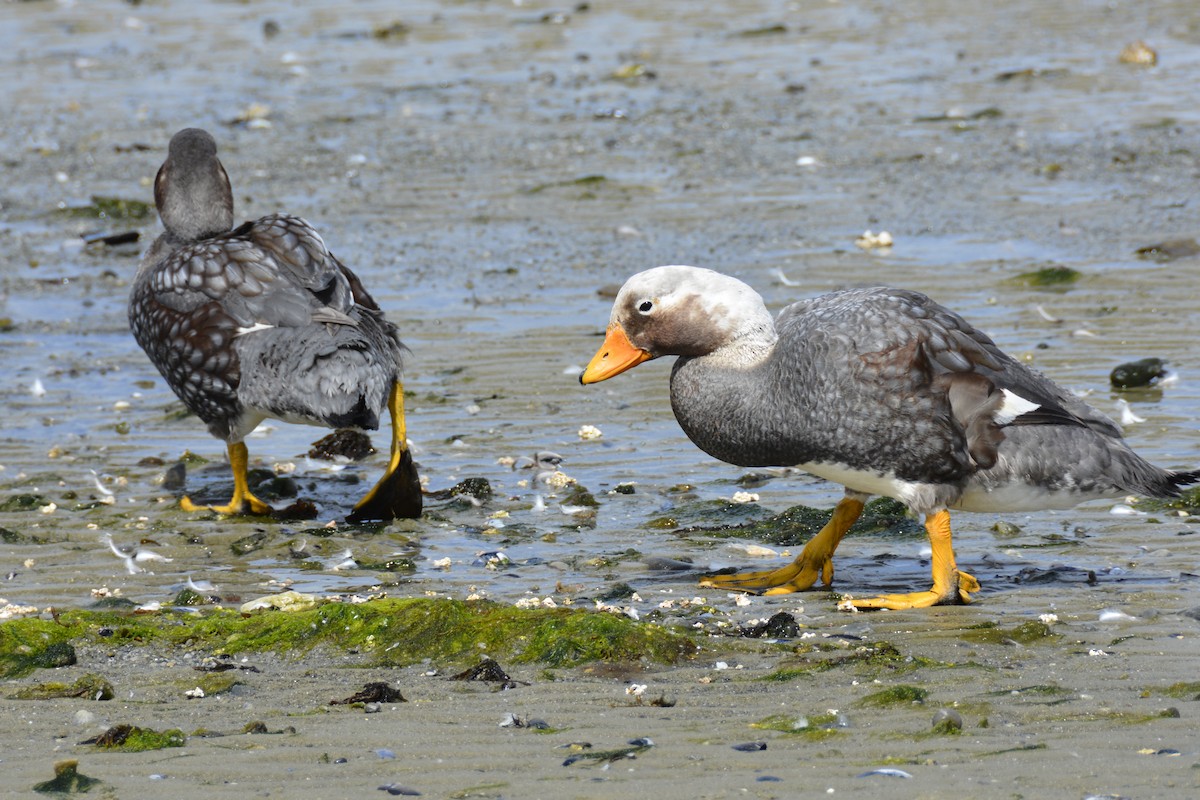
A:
(750, 747)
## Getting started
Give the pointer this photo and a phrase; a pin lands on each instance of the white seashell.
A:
(589, 432)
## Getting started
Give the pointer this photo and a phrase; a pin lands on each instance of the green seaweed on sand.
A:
(1025, 633)
(865, 659)
(30, 643)
(1184, 690)
(385, 631)
(89, 686)
(23, 502)
(815, 728)
(798, 524)
(132, 739)
(1188, 500)
(112, 208)
(1054, 277)
(214, 683)
(901, 695)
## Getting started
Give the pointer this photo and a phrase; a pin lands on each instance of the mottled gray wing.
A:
(928, 390)
(957, 346)
(273, 271)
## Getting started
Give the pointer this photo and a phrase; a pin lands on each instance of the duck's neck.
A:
(722, 401)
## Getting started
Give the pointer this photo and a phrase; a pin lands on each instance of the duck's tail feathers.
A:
(1179, 480)
(1139, 476)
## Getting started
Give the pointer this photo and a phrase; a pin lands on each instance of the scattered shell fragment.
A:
(741, 498)
(284, 601)
(12, 610)
(589, 432)
(874, 241)
(1124, 510)
(536, 602)
(1138, 53)
(886, 772)
(756, 551)
(254, 116)
(194, 694)
(558, 479)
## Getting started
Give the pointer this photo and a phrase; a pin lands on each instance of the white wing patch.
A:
(258, 326)
(1013, 406)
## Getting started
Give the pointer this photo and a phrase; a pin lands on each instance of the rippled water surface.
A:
(488, 168)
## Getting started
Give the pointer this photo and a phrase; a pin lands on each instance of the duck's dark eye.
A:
(645, 307)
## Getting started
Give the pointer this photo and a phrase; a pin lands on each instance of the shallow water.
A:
(454, 167)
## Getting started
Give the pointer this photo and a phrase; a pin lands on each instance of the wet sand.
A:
(488, 169)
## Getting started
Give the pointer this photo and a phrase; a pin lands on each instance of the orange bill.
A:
(616, 355)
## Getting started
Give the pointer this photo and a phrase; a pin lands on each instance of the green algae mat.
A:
(387, 632)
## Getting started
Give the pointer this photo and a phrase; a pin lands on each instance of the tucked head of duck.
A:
(676, 311)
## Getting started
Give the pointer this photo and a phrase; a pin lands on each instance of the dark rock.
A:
(377, 692)
(1134, 374)
(351, 444)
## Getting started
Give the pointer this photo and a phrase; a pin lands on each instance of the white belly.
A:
(1007, 498)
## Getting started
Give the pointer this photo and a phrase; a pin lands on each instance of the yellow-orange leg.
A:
(950, 587)
(398, 492)
(243, 499)
(815, 560)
